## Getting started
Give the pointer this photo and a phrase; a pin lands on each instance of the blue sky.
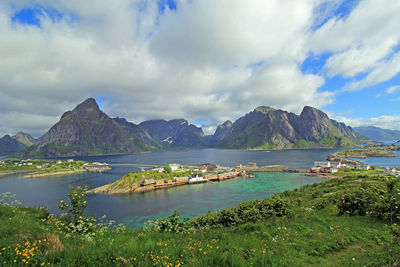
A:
(205, 61)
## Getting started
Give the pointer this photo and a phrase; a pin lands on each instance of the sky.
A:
(203, 60)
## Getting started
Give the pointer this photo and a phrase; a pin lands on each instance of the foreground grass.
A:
(312, 234)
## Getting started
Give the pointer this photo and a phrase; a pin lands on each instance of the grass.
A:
(312, 234)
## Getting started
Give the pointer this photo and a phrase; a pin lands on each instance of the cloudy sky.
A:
(203, 60)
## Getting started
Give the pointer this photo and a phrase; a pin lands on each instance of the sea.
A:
(135, 209)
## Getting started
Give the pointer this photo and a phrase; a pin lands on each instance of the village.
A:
(325, 167)
(203, 173)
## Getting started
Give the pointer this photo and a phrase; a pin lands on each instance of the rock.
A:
(175, 133)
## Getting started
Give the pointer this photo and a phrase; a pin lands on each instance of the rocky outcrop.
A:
(175, 133)
(268, 128)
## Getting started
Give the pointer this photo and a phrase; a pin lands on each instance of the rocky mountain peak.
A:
(89, 106)
(313, 113)
(264, 109)
(226, 124)
(24, 138)
(9, 145)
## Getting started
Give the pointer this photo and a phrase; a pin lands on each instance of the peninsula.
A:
(48, 168)
(170, 176)
(366, 152)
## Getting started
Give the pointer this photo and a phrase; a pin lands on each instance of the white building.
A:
(322, 164)
(364, 167)
(174, 166)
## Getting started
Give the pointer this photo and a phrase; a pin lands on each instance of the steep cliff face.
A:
(83, 131)
(139, 136)
(9, 145)
(175, 133)
(269, 128)
(223, 131)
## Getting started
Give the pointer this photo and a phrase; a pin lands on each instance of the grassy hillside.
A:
(341, 222)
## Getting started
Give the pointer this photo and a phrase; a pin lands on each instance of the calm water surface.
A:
(190, 201)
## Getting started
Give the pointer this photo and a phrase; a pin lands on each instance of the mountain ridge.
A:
(269, 128)
(377, 133)
(87, 130)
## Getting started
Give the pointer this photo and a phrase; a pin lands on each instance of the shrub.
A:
(74, 219)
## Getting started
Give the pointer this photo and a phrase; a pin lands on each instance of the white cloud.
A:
(365, 42)
(385, 121)
(393, 89)
(191, 63)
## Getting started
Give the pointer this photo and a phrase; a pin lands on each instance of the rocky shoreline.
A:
(49, 174)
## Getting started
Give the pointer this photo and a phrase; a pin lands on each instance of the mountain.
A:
(25, 138)
(86, 130)
(175, 133)
(9, 145)
(268, 128)
(139, 136)
(378, 134)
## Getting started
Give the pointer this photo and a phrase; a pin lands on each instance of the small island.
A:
(365, 152)
(47, 168)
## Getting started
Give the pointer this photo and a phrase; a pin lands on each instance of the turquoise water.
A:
(190, 200)
(197, 199)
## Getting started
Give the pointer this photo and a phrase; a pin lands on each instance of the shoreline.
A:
(137, 188)
(59, 173)
(6, 173)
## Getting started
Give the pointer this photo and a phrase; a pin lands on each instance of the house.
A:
(240, 166)
(159, 182)
(364, 167)
(334, 170)
(181, 179)
(322, 164)
(174, 166)
(70, 160)
(148, 182)
(315, 169)
(161, 169)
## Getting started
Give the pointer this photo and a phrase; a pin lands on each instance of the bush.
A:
(170, 224)
(74, 219)
(372, 201)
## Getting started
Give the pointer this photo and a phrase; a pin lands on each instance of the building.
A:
(174, 166)
(322, 164)
(364, 167)
(161, 169)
